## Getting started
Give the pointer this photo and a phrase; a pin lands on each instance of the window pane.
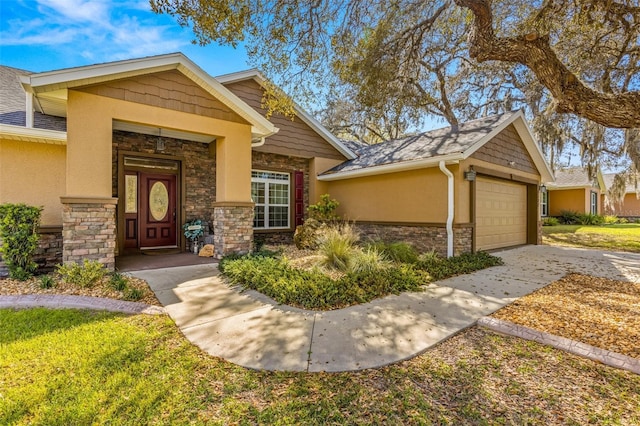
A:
(257, 192)
(278, 193)
(258, 217)
(279, 216)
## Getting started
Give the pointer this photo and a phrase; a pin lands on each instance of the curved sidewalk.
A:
(253, 331)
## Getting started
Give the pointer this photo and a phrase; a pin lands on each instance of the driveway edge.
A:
(78, 302)
(610, 358)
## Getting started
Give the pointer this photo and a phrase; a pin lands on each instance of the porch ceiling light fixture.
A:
(470, 175)
(160, 141)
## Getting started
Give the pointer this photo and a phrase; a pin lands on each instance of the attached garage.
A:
(501, 213)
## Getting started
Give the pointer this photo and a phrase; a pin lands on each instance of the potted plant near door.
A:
(193, 230)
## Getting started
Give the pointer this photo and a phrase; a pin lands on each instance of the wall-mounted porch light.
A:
(160, 141)
(470, 175)
(543, 188)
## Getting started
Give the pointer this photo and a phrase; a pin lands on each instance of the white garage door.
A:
(501, 214)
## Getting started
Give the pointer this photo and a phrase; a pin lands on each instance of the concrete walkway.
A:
(254, 331)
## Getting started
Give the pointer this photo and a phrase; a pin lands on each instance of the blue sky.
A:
(42, 35)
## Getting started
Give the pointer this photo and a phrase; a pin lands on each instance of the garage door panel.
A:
(501, 214)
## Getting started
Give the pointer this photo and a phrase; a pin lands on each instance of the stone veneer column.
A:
(232, 228)
(89, 230)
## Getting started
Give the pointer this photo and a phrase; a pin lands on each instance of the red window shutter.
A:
(298, 190)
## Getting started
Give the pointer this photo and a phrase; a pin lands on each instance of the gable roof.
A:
(254, 74)
(450, 144)
(607, 180)
(49, 88)
(573, 178)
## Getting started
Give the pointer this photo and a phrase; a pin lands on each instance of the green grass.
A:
(70, 367)
(621, 237)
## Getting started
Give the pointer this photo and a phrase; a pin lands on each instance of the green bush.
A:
(368, 259)
(315, 290)
(19, 234)
(118, 281)
(336, 244)
(324, 210)
(550, 221)
(590, 219)
(568, 217)
(133, 294)
(440, 267)
(610, 220)
(47, 281)
(83, 275)
(399, 252)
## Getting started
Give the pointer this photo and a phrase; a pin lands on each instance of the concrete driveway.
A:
(251, 330)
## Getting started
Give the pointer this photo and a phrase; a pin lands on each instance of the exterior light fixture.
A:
(543, 188)
(160, 141)
(470, 175)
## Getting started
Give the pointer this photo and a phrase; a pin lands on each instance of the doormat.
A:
(157, 252)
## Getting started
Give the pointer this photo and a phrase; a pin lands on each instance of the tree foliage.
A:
(383, 67)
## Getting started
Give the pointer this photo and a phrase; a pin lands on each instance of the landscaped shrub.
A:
(47, 281)
(133, 294)
(399, 252)
(83, 275)
(324, 210)
(306, 236)
(550, 221)
(336, 244)
(440, 267)
(320, 214)
(568, 217)
(589, 219)
(312, 289)
(19, 234)
(118, 282)
(368, 259)
(610, 220)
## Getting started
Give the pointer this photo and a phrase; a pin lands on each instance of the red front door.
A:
(157, 212)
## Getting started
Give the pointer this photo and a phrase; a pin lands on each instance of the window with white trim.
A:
(544, 204)
(594, 202)
(270, 191)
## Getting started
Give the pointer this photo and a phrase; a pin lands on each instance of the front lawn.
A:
(620, 237)
(77, 367)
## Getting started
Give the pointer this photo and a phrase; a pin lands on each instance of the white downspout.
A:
(450, 206)
(260, 142)
(29, 110)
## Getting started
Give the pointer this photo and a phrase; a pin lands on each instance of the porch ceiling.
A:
(163, 132)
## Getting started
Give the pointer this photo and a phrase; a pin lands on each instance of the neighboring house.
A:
(122, 154)
(572, 191)
(628, 207)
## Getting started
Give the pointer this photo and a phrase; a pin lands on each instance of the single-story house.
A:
(574, 191)
(122, 154)
(628, 207)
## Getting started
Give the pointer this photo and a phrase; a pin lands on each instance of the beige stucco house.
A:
(122, 154)
(628, 207)
(573, 191)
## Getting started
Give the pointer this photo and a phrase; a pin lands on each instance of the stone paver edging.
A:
(78, 302)
(604, 356)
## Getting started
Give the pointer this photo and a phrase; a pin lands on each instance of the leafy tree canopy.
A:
(382, 67)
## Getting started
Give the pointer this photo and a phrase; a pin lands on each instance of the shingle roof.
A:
(13, 104)
(608, 181)
(571, 177)
(432, 144)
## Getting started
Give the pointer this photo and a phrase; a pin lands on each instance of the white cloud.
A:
(97, 30)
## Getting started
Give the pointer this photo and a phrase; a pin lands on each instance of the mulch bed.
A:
(598, 311)
(100, 289)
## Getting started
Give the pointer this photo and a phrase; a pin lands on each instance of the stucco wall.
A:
(575, 200)
(415, 196)
(630, 207)
(34, 174)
